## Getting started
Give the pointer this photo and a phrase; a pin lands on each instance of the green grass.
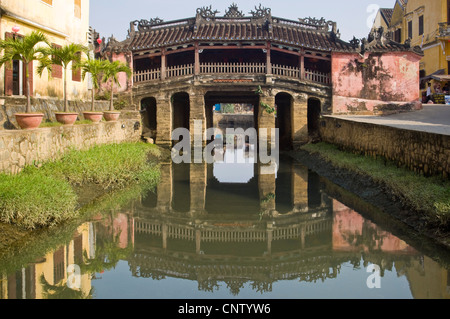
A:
(430, 195)
(111, 166)
(35, 200)
(45, 196)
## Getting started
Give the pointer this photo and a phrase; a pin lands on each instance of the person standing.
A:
(428, 96)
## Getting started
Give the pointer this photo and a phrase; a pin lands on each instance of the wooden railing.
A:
(287, 71)
(230, 234)
(232, 68)
(145, 76)
(319, 77)
(180, 70)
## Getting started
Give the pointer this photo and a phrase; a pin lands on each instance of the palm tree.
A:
(95, 68)
(112, 71)
(25, 49)
(62, 56)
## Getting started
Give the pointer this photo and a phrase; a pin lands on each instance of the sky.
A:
(353, 17)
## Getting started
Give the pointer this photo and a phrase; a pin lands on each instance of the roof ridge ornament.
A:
(207, 13)
(261, 12)
(320, 24)
(233, 12)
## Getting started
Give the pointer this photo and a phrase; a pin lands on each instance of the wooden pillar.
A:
(164, 236)
(163, 65)
(197, 60)
(268, 60)
(302, 66)
(198, 241)
(269, 238)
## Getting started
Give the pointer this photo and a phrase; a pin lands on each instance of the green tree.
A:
(95, 68)
(25, 49)
(111, 73)
(64, 56)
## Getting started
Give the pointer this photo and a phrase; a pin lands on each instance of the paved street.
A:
(432, 118)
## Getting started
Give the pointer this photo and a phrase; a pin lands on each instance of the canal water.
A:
(230, 230)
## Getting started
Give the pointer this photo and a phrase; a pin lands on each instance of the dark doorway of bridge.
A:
(180, 111)
(231, 110)
(314, 109)
(148, 113)
(283, 120)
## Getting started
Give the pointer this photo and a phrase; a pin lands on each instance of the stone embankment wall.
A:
(422, 152)
(48, 106)
(19, 148)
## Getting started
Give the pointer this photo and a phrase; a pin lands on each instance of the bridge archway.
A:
(314, 110)
(231, 109)
(283, 121)
(180, 111)
(149, 122)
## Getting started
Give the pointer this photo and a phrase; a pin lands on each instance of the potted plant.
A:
(25, 49)
(63, 56)
(111, 73)
(95, 68)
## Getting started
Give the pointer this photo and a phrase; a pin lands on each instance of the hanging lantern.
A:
(99, 41)
(15, 29)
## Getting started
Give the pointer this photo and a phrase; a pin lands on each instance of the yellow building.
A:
(383, 19)
(424, 23)
(63, 22)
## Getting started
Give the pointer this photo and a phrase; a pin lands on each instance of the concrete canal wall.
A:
(423, 152)
(19, 148)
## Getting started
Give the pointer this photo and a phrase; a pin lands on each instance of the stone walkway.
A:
(433, 118)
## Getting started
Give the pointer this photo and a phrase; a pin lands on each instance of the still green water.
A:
(243, 231)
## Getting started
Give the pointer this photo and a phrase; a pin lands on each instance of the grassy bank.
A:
(46, 196)
(427, 195)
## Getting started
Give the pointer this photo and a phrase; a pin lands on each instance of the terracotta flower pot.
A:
(111, 116)
(93, 116)
(28, 121)
(66, 118)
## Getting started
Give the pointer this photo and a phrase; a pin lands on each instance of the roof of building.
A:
(386, 13)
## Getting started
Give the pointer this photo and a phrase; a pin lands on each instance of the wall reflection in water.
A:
(213, 228)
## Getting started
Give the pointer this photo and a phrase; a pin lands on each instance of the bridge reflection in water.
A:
(241, 229)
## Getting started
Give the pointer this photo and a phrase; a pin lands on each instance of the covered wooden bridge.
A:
(182, 68)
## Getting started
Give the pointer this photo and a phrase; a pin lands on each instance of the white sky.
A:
(113, 17)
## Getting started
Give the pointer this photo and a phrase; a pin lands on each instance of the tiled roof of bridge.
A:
(309, 33)
(281, 32)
